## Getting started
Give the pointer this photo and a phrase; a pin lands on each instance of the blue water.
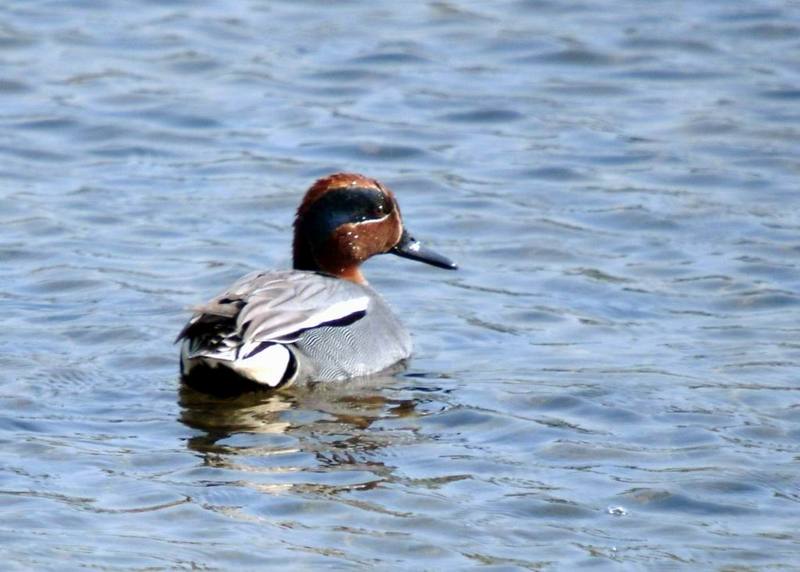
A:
(609, 381)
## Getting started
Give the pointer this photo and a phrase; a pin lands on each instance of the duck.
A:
(320, 321)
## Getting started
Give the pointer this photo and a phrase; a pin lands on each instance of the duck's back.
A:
(275, 328)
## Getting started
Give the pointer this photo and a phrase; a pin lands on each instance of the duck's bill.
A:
(409, 247)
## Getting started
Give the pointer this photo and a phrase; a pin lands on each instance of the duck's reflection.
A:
(309, 430)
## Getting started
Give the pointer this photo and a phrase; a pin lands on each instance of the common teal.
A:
(320, 321)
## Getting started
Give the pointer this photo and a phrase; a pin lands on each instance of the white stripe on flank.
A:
(331, 313)
(338, 311)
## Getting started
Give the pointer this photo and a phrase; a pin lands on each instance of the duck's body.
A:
(320, 321)
(276, 328)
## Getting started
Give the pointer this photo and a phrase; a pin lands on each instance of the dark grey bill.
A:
(409, 247)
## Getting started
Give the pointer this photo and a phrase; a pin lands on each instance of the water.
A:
(610, 379)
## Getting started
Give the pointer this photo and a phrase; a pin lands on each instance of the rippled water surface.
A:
(611, 379)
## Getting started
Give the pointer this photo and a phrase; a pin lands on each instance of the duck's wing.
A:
(267, 308)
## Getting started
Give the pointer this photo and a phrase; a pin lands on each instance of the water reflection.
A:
(221, 417)
(296, 436)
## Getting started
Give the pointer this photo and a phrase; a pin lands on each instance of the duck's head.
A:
(344, 219)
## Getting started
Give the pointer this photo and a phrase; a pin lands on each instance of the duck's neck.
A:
(353, 274)
(303, 259)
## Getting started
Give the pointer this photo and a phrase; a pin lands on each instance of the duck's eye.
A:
(382, 206)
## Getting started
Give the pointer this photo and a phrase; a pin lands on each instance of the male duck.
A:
(320, 321)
